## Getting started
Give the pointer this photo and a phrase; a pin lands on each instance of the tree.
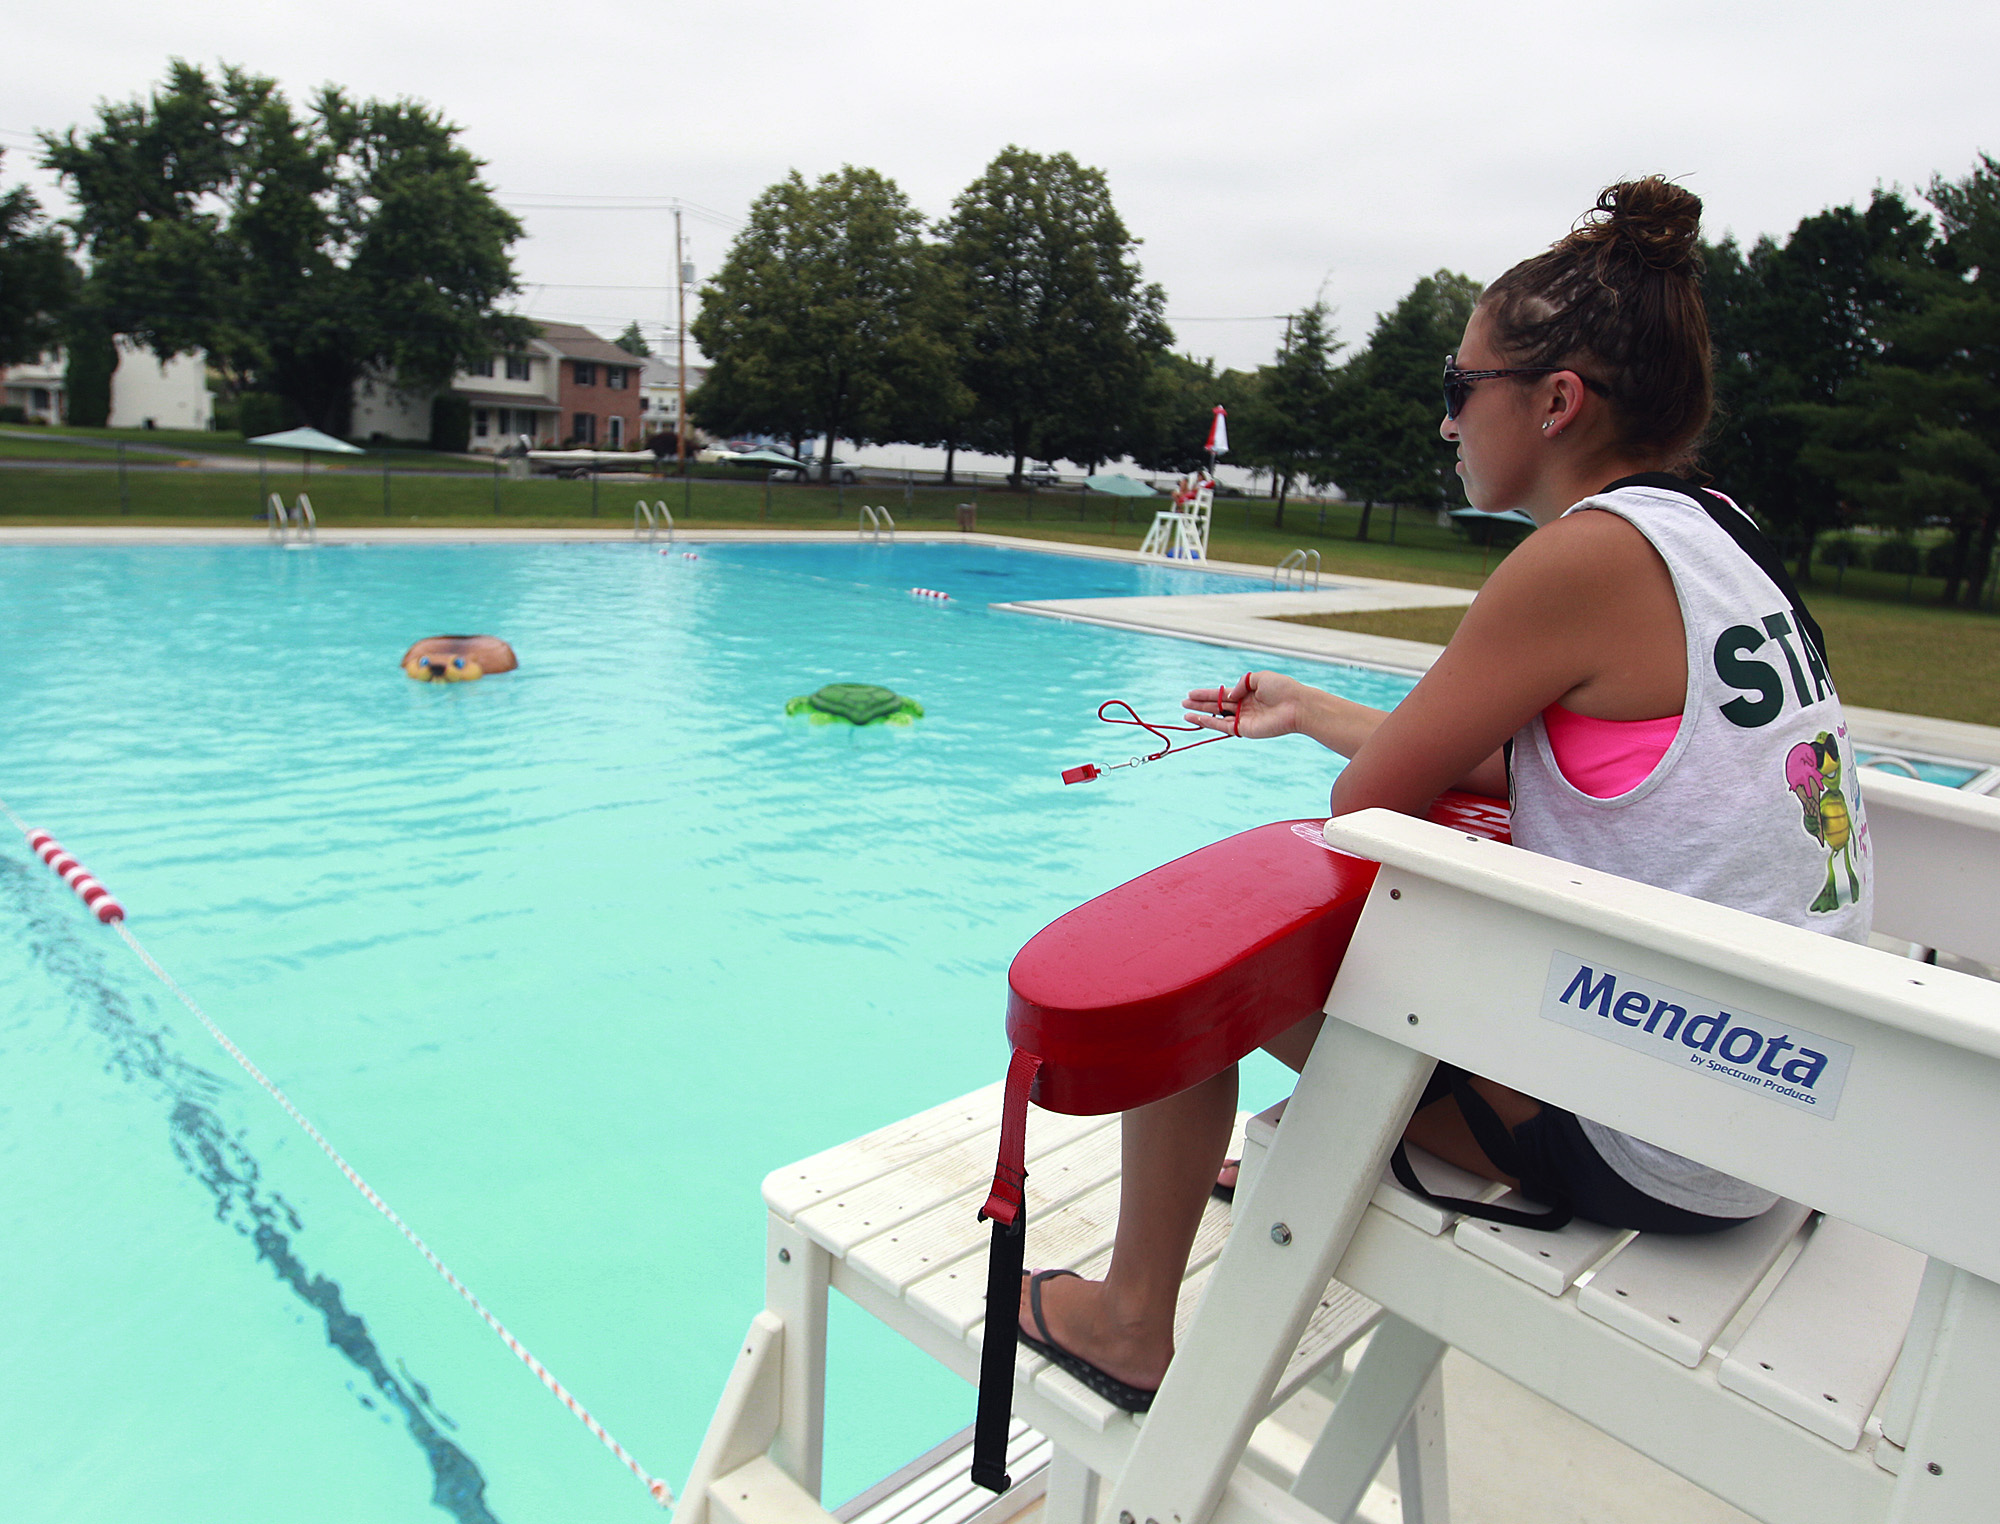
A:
(632, 341)
(302, 252)
(1388, 447)
(90, 356)
(1287, 422)
(817, 315)
(1792, 327)
(1915, 436)
(1062, 335)
(37, 279)
(1171, 426)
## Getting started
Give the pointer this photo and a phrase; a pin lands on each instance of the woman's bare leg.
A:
(1124, 1324)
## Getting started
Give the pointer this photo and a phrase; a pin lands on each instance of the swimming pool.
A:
(564, 961)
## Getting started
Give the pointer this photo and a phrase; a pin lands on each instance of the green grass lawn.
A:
(1906, 657)
(63, 442)
(1887, 653)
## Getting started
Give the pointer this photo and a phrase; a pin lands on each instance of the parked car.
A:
(844, 472)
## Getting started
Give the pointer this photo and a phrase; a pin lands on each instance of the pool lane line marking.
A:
(661, 1492)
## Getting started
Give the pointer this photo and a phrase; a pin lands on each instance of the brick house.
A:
(567, 386)
(598, 393)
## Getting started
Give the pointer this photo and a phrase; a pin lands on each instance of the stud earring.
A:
(1545, 428)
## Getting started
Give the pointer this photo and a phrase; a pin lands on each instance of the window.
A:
(479, 423)
(503, 421)
(586, 373)
(614, 377)
(584, 428)
(517, 368)
(480, 367)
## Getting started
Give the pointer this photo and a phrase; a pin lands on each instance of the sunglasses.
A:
(1458, 383)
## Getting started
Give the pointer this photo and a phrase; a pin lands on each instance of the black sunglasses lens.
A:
(1455, 393)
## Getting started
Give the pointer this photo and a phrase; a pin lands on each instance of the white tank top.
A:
(1755, 804)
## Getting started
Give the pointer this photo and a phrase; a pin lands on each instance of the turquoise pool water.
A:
(564, 961)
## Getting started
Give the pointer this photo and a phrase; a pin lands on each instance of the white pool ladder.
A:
(295, 526)
(876, 524)
(1296, 566)
(653, 525)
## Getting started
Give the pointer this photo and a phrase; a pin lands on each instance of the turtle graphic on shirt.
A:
(1812, 772)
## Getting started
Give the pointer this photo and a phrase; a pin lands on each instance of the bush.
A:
(91, 358)
(1839, 550)
(1937, 560)
(13, 414)
(451, 424)
(263, 413)
(1898, 556)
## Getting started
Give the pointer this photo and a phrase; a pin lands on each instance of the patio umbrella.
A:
(1118, 486)
(306, 440)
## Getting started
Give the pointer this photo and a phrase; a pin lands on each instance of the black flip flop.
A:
(1132, 1399)
(1223, 1192)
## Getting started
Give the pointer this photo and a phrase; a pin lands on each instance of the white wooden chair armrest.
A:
(1937, 862)
(1912, 1072)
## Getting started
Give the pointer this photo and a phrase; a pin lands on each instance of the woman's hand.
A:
(1262, 705)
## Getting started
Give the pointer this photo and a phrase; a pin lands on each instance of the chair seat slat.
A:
(1819, 1350)
(1676, 1292)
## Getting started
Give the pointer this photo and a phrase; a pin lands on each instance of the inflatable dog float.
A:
(458, 658)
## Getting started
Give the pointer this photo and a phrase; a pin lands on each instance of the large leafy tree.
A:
(302, 251)
(1793, 327)
(816, 321)
(1170, 427)
(37, 280)
(1388, 447)
(1286, 425)
(1061, 332)
(1915, 436)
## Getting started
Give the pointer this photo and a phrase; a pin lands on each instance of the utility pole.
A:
(681, 338)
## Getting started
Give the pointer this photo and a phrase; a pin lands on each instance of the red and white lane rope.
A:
(109, 911)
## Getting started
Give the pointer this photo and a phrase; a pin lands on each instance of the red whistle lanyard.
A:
(1090, 770)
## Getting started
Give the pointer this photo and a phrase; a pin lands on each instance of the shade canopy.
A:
(1118, 486)
(308, 439)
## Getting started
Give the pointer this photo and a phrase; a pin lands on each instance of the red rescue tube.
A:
(93, 894)
(1164, 981)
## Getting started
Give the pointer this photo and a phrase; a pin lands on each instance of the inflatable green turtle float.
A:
(856, 704)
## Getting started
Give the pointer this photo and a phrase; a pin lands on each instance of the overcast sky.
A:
(1266, 151)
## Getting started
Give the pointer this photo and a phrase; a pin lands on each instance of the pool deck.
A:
(1252, 620)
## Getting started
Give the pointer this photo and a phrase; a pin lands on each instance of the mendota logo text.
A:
(1783, 1063)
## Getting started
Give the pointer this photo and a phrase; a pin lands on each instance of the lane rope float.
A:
(109, 911)
(1090, 771)
(930, 592)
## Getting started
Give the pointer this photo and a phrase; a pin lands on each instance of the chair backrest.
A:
(1937, 864)
(1850, 1079)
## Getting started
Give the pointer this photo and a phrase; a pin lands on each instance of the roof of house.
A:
(659, 372)
(574, 342)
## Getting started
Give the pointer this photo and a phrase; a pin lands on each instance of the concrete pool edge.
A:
(1242, 621)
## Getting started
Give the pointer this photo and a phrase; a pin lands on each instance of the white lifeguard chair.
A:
(1180, 533)
(1830, 1366)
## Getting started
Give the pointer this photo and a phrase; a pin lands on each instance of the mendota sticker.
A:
(1783, 1063)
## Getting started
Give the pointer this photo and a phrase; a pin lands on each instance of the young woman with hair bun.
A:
(1638, 677)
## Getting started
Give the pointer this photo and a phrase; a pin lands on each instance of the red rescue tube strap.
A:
(1010, 1172)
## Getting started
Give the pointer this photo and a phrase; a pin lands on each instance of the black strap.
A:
(1741, 528)
(1497, 1143)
